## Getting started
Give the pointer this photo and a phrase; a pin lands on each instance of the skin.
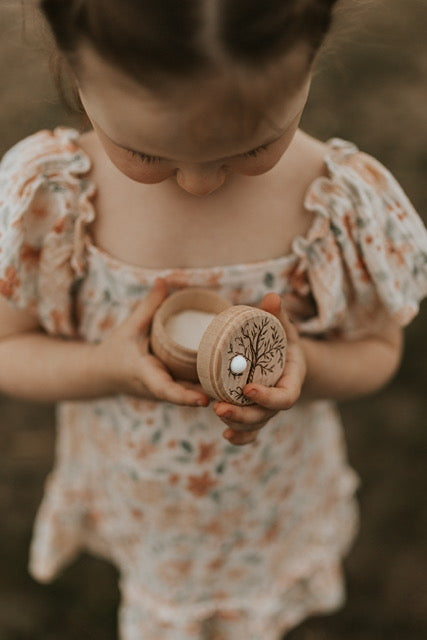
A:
(201, 141)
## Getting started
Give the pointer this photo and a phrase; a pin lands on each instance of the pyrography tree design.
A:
(260, 343)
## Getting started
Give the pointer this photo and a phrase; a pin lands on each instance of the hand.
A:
(131, 369)
(244, 422)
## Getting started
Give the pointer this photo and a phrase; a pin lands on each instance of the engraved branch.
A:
(263, 348)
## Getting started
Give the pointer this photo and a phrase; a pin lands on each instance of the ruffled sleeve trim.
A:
(44, 208)
(367, 251)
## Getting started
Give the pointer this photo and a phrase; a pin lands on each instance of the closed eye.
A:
(153, 159)
(143, 156)
(255, 152)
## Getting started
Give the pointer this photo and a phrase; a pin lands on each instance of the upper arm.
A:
(13, 321)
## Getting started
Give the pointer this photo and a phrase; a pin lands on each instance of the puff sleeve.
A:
(43, 202)
(370, 253)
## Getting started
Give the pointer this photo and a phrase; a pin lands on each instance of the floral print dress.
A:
(212, 541)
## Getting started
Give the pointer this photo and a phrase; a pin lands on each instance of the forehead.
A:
(215, 112)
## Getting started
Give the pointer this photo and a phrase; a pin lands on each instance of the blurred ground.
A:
(371, 88)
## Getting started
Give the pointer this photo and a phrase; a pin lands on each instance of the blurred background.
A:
(370, 88)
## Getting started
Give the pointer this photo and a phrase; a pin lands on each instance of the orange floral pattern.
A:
(243, 541)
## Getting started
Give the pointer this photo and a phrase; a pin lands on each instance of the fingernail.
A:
(159, 282)
(202, 402)
(227, 414)
(251, 393)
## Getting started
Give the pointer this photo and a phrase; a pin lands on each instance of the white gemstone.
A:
(238, 364)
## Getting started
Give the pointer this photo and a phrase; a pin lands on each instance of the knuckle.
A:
(151, 386)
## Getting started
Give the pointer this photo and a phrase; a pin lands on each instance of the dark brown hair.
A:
(152, 40)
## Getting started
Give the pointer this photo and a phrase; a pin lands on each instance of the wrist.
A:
(102, 369)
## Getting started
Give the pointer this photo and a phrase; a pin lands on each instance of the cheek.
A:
(136, 170)
(257, 167)
(265, 162)
(130, 166)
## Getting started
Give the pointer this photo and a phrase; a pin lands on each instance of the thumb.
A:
(274, 304)
(141, 317)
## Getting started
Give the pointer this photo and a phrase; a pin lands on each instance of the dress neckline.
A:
(318, 228)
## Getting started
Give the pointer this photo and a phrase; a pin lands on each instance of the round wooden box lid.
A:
(242, 344)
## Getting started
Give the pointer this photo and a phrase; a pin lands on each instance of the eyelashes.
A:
(255, 152)
(143, 157)
(154, 159)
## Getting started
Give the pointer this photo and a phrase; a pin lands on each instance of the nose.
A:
(200, 181)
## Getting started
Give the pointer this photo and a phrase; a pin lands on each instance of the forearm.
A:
(342, 369)
(37, 367)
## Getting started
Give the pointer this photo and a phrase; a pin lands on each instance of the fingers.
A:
(297, 307)
(141, 317)
(275, 398)
(273, 303)
(156, 378)
(244, 423)
(243, 418)
(287, 390)
(195, 386)
(240, 437)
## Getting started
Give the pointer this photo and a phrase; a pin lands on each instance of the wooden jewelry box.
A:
(201, 337)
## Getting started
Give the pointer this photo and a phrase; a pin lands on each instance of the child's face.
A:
(198, 138)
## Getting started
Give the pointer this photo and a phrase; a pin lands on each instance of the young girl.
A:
(196, 174)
